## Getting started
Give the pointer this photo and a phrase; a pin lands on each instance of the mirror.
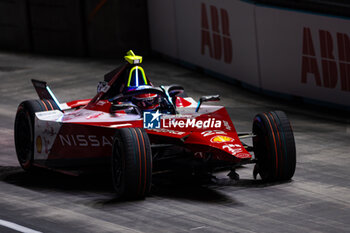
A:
(207, 98)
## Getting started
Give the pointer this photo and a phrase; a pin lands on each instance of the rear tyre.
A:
(131, 163)
(24, 129)
(274, 146)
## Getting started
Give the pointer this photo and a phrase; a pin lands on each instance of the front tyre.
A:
(131, 163)
(274, 146)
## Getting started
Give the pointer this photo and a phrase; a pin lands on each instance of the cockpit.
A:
(128, 85)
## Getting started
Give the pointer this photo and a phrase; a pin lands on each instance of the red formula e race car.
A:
(138, 129)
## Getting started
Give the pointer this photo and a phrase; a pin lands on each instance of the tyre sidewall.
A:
(274, 146)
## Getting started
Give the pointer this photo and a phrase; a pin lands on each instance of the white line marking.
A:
(17, 227)
(198, 228)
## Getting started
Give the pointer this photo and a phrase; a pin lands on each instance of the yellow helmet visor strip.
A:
(135, 69)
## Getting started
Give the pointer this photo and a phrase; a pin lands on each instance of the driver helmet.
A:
(138, 81)
(147, 101)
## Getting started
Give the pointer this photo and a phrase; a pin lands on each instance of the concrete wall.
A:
(276, 50)
(105, 28)
(14, 28)
(116, 26)
(304, 54)
(57, 27)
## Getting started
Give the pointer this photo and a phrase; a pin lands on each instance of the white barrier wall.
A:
(218, 35)
(285, 51)
(162, 26)
(304, 54)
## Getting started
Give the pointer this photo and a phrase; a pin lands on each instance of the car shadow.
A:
(166, 185)
(43, 179)
(175, 187)
(248, 183)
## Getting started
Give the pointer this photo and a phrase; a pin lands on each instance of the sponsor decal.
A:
(212, 132)
(236, 150)
(233, 148)
(182, 102)
(151, 120)
(101, 103)
(49, 131)
(45, 133)
(46, 145)
(227, 125)
(85, 140)
(168, 131)
(94, 116)
(216, 38)
(221, 138)
(39, 144)
(333, 69)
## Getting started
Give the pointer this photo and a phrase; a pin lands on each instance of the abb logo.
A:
(332, 68)
(216, 39)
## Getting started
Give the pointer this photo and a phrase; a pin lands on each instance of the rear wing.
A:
(44, 92)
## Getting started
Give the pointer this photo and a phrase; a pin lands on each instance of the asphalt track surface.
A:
(316, 200)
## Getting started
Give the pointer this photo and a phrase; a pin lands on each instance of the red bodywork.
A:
(85, 128)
